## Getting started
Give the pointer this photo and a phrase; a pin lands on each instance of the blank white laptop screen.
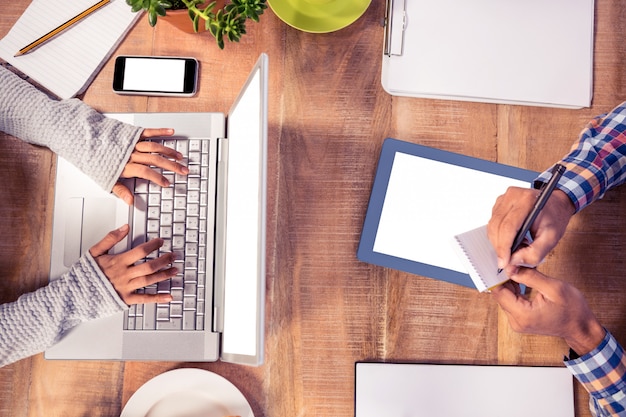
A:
(244, 214)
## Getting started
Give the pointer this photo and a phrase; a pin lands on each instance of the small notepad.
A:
(479, 257)
(67, 63)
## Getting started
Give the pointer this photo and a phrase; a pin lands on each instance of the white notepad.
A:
(479, 257)
(67, 63)
(418, 390)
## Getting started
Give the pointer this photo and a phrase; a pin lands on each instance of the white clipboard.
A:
(532, 52)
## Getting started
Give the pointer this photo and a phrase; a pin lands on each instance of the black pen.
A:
(542, 199)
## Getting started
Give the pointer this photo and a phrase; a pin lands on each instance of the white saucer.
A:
(187, 392)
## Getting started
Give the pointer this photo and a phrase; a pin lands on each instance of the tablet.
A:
(421, 198)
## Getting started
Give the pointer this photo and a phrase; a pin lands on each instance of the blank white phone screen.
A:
(146, 74)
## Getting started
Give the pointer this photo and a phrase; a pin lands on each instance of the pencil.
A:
(61, 28)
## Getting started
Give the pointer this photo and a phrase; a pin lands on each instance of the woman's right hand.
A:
(127, 277)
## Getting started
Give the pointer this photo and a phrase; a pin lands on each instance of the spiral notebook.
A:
(479, 257)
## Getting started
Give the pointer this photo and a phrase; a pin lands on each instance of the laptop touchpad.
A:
(87, 221)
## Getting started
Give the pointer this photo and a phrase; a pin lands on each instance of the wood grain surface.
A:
(325, 309)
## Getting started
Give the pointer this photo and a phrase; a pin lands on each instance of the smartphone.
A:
(155, 75)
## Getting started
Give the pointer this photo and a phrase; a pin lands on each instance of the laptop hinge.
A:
(220, 236)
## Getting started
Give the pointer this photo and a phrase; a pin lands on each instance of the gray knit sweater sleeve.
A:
(37, 320)
(97, 145)
(100, 147)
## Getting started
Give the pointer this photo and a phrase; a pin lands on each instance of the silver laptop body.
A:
(230, 297)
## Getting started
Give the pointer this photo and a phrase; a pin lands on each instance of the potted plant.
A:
(226, 22)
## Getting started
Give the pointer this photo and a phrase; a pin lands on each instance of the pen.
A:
(542, 199)
(61, 28)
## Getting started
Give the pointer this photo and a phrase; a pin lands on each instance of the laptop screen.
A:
(244, 279)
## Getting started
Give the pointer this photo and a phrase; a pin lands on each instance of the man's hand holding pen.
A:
(552, 306)
(512, 210)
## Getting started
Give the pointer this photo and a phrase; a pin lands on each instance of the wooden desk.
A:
(325, 309)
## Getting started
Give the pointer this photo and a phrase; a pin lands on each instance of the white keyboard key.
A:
(172, 324)
(141, 186)
(191, 249)
(152, 226)
(167, 246)
(139, 221)
(149, 316)
(178, 242)
(154, 187)
(193, 196)
(190, 289)
(177, 294)
(189, 303)
(194, 183)
(167, 206)
(193, 209)
(167, 193)
(166, 219)
(154, 199)
(190, 276)
(180, 189)
(192, 236)
(194, 145)
(179, 228)
(176, 310)
(177, 283)
(179, 216)
(189, 320)
(162, 314)
(182, 146)
(194, 170)
(166, 232)
(199, 322)
(154, 213)
(194, 158)
(192, 222)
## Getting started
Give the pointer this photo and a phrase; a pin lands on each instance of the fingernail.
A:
(501, 263)
(123, 228)
(185, 170)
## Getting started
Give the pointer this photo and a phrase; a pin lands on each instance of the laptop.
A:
(213, 218)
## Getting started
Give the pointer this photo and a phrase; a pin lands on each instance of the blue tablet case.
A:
(391, 147)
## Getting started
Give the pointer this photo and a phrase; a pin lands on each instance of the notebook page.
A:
(478, 255)
(67, 63)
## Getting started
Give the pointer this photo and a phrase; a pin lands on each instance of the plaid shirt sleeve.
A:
(602, 372)
(597, 162)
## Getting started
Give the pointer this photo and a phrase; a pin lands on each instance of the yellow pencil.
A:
(61, 28)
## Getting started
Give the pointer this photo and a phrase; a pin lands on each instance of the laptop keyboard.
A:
(177, 214)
